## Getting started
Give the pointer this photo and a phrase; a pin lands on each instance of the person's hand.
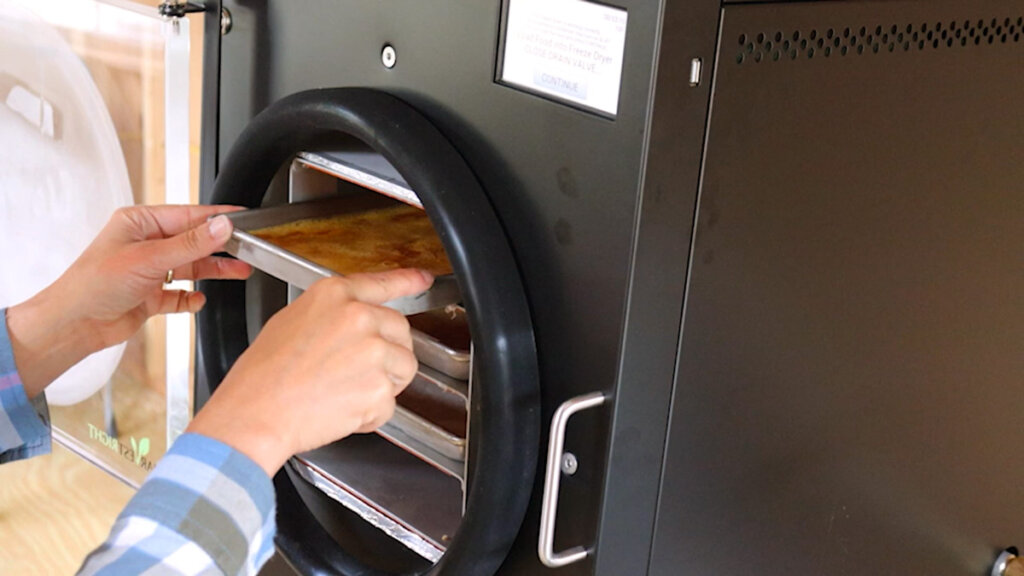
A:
(116, 284)
(328, 365)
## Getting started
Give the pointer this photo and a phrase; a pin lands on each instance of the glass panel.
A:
(94, 111)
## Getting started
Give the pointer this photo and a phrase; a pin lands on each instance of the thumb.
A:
(380, 287)
(193, 244)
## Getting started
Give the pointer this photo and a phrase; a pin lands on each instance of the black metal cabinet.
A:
(852, 348)
(816, 374)
(565, 183)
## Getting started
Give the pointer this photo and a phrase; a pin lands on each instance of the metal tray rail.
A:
(366, 169)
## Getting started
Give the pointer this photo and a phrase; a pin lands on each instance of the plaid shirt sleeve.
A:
(205, 509)
(24, 424)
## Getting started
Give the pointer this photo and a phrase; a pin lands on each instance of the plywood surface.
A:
(53, 511)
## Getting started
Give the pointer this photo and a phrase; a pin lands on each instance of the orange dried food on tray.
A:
(371, 241)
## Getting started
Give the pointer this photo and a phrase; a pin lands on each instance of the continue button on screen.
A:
(574, 88)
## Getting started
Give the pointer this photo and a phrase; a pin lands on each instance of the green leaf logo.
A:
(140, 449)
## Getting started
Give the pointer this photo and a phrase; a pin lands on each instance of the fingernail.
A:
(427, 276)
(219, 227)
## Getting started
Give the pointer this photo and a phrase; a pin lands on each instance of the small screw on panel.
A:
(569, 464)
(388, 56)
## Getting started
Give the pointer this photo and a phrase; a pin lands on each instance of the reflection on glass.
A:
(82, 126)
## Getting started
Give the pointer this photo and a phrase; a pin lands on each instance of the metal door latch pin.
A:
(569, 464)
(179, 8)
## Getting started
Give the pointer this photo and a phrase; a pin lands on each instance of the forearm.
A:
(46, 339)
(116, 284)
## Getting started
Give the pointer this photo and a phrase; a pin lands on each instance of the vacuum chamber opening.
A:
(502, 444)
(351, 212)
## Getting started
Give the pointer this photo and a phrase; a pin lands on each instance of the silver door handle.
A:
(552, 477)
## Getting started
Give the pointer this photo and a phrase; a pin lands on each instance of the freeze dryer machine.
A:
(742, 280)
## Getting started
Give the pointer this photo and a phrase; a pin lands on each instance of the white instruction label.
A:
(568, 49)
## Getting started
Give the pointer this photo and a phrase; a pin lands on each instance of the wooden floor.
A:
(53, 511)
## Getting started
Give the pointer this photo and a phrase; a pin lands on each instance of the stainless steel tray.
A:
(302, 273)
(432, 351)
(430, 440)
(426, 441)
(400, 495)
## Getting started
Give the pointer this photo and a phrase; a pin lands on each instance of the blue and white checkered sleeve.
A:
(205, 509)
(24, 424)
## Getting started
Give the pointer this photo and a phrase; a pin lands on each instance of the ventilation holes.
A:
(778, 45)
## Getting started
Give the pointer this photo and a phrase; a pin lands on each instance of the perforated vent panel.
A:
(778, 45)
